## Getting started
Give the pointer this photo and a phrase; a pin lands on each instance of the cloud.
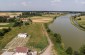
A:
(54, 1)
(83, 2)
(80, 2)
(24, 3)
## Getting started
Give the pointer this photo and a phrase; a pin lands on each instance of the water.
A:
(71, 35)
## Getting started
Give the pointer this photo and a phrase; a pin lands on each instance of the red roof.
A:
(22, 49)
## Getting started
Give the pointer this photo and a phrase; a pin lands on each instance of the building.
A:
(22, 35)
(24, 19)
(21, 51)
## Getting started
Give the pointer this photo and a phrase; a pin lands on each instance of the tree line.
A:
(4, 31)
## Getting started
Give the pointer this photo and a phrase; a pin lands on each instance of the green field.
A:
(37, 41)
(7, 25)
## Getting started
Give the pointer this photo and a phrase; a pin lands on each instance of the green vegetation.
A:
(8, 25)
(69, 51)
(56, 39)
(38, 40)
(82, 50)
(4, 31)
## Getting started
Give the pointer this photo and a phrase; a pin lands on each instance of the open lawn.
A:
(37, 40)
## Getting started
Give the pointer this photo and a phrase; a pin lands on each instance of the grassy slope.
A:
(37, 40)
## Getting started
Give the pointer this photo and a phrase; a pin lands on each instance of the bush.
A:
(82, 50)
(17, 24)
(69, 51)
(26, 23)
(1, 34)
(58, 39)
(55, 35)
(48, 30)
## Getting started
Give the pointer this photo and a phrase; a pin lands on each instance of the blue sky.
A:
(42, 5)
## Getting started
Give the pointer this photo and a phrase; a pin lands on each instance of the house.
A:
(21, 51)
(24, 19)
(22, 35)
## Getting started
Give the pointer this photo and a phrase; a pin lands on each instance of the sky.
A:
(42, 5)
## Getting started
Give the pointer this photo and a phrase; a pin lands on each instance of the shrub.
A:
(82, 50)
(69, 51)
(48, 30)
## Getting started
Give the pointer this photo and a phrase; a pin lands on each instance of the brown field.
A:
(41, 19)
(9, 13)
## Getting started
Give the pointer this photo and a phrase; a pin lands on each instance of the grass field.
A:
(6, 24)
(37, 41)
(82, 21)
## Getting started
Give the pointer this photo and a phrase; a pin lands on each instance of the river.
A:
(71, 35)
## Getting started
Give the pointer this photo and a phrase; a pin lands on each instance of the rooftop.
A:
(22, 49)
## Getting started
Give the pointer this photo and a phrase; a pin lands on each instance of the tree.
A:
(55, 35)
(82, 50)
(69, 51)
(1, 33)
(18, 24)
(48, 30)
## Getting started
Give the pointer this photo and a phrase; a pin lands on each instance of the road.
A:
(48, 51)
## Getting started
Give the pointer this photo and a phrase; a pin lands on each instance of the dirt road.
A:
(48, 51)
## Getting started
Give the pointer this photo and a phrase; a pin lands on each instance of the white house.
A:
(22, 35)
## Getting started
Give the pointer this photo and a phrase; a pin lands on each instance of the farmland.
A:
(37, 40)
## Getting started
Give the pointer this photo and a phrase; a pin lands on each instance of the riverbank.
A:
(76, 24)
(58, 48)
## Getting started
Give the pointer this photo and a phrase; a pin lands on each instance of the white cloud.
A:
(80, 2)
(83, 2)
(54, 1)
(24, 3)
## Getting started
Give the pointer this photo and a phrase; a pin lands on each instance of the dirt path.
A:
(48, 51)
